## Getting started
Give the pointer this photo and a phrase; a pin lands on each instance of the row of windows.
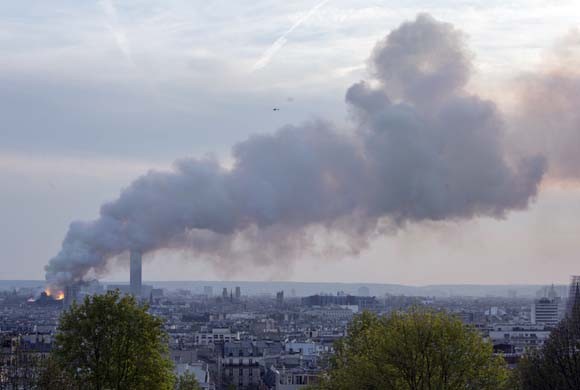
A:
(241, 371)
(214, 336)
(240, 353)
(231, 362)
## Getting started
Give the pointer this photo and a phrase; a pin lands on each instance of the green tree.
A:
(110, 342)
(413, 351)
(187, 381)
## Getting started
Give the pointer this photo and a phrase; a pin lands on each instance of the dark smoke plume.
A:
(422, 148)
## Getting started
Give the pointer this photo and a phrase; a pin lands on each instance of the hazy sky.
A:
(95, 93)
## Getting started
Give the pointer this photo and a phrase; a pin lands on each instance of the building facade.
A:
(546, 311)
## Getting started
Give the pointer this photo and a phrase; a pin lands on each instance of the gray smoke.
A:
(548, 115)
(421, 149)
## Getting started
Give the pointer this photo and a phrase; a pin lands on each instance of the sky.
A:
(94, 94)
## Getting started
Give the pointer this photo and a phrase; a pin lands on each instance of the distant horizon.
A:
(301, 289)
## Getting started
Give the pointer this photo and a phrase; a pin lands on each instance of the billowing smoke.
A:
(548, 116)
(421, 148)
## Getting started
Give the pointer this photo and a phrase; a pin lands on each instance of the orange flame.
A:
(58, 295)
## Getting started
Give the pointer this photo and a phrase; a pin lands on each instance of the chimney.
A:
(135, 275)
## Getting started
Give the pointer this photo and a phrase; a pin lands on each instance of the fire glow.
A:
(58, 295)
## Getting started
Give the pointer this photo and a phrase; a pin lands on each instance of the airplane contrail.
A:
(280, 42)
(113, 25)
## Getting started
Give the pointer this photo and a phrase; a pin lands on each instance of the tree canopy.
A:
(187, 381)
(415, 350)
(110, 342)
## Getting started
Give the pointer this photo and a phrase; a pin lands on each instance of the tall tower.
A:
(573, 294)
(71, 293)
(135, 275)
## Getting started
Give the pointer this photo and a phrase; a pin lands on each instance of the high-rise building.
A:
(136, 273)
(225, 293)
(238, 293)
(208, 290)
(546, 311)
(280, 297)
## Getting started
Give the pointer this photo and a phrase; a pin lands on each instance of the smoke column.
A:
(420, 149)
